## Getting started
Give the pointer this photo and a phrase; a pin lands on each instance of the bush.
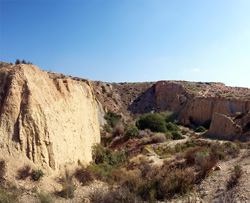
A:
(7, 197)
(2, 169)
(172, 127)
(131, 131)
(17, 61)
(190, 154)
(176, 135)
(118, 130)
(37, 174)
(143, 134)
(68, 187)
(169, 135)
(103, 89)
(84, 175)
(106, 128)
(235, 177)
(45, 197)
(178, 181)
(154, 122)
(200, 129)
(112, 118)
(235, 150)
(106, 161)
(24, 172)
(23, 61)
(159, 138)
(220, 155)
(205, 161)
(105, 155)
(115, 195)
(169, 117)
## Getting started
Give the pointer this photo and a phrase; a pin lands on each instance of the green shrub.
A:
(102, 155)
(235, 150)
(172, 127)
(154, 122)
(176, 135)
(106, 128)
(106, 161)
(200, 129)
(23, 61)
(220, 155)
(112, 118)
(131, 131)
(37, 174)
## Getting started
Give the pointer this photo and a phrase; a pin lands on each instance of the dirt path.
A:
(155, 158)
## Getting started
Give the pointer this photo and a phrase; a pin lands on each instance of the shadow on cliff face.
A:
(144, 103)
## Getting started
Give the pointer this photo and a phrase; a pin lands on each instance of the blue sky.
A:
(131, 40)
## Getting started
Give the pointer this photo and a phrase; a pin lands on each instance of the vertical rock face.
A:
(53, 122)
(169, 96)
(194, 108)
(223, 127)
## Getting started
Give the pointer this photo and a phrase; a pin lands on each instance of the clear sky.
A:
(131, 40)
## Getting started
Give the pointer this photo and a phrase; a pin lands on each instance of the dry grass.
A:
(84, 175)
(235, 177)
(24, 172)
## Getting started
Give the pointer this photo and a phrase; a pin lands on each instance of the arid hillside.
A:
(154, 146)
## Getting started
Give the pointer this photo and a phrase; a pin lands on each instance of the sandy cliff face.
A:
(52, 122)
(195, 108)
(224, 127)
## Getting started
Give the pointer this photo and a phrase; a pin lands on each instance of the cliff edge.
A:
(51, 121)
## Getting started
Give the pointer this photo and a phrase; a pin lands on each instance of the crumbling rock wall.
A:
(191, 108)
(52, 122)
(224, 127)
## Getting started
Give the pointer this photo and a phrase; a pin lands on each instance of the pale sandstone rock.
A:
(194, 109)
(223, 127)
(52, 122)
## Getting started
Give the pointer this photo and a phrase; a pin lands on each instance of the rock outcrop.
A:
(52, 122)
(195, 108)
(224, 127)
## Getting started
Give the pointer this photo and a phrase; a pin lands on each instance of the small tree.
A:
(17, 61)
(154, 122)
(23, 61)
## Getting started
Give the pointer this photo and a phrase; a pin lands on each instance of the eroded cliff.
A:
(51, 121)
